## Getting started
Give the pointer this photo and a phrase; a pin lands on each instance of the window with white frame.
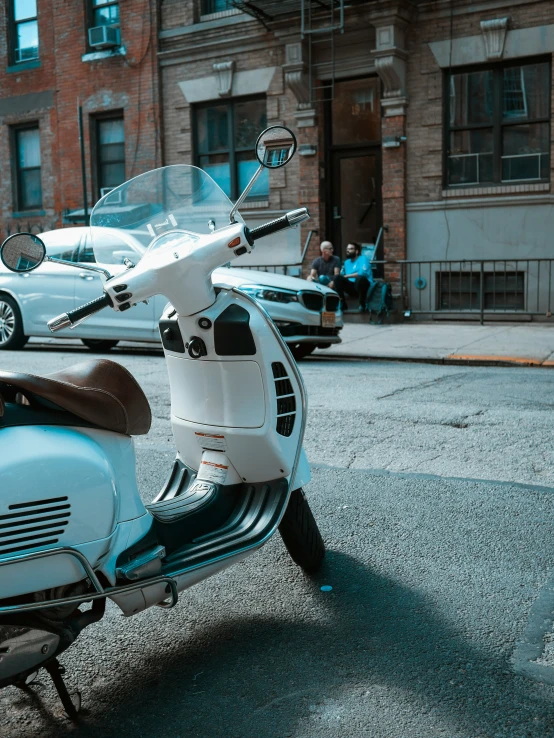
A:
(498, 124)
(23, 30)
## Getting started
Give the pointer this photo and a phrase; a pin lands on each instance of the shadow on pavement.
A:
(370, 653)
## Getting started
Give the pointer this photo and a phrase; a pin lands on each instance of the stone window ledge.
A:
(105, 54)
(29, 214)
(255, 204)
(512, 189)
(22, 66)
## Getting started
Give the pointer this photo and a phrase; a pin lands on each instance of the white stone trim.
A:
(507, 189)
(481, 202)
(494, 33)
(252, 82)
(224, 71)
(472, 49)
(105, 54)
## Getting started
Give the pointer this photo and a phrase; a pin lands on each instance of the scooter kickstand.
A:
(71, 702)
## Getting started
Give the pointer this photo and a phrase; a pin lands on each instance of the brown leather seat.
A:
(100, 391)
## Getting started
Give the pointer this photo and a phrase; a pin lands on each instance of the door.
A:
(356, 199)
(353, 150)
(138, 323)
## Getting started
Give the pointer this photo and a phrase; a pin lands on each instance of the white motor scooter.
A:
(73, 528)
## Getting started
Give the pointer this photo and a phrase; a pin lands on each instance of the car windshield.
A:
(154, 210)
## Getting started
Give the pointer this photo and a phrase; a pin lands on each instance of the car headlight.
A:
(260, 292)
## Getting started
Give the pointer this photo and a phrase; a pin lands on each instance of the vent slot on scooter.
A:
(286, 401)
(33, 524)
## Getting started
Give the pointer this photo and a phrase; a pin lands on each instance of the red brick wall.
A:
(127, 83)
(394, 199)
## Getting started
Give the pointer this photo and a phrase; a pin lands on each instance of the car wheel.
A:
(99, 344)
(11, 325)
(301, 350)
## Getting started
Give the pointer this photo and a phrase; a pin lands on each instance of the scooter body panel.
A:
(62, 487)
(241, 398)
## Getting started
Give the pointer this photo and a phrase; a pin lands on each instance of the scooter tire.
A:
(300, 533)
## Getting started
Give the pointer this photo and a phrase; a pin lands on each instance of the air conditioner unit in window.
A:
(103, 37)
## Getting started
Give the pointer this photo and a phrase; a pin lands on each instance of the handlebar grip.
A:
(74, 316)
(290, 219)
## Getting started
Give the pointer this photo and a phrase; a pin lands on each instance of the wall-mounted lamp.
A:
(307, 150)
(393, 142)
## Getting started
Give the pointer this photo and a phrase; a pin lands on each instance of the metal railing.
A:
(480, 287)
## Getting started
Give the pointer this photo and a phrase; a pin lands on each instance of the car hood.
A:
(238, 277)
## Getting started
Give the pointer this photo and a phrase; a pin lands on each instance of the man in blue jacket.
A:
(355, 277)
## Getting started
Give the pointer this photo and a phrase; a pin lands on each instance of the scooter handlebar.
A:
(289, 220)
(73, 317)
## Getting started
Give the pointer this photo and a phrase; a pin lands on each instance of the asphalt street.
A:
(433, 487)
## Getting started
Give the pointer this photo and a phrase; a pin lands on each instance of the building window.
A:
(27, 160)
(23, 30)
(103, 24)
(225, 140)
(498, 125)
(104, 13)
(110, 158)
(207, 7)
(467, 290)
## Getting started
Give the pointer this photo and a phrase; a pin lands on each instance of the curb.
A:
(451, 360)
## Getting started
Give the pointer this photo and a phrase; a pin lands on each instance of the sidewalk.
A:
(450, 343)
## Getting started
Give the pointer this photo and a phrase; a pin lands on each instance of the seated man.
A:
(326, 267)
(355, 277)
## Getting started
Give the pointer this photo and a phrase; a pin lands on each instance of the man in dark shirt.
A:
(326, 267)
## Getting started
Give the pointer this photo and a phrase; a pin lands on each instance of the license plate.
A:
(327, 320)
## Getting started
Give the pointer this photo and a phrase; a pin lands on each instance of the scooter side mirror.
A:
(22, 252)
(275, 147)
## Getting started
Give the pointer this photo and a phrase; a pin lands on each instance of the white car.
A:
(307, 314)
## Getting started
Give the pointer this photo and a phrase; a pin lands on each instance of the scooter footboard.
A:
(257, 513)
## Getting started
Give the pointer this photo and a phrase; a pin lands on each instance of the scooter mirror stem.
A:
(245, 193)
(78, 265)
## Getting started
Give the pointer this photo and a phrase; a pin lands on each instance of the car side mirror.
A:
(22, 252)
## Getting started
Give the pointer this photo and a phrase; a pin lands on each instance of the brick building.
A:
(56, 57)
(431, 119)
(423, 126)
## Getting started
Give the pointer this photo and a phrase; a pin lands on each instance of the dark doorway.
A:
(353, 128)
(356, 189)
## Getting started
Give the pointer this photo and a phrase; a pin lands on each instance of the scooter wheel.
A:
(300, 533)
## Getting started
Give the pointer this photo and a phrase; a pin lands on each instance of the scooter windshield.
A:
(154, 209)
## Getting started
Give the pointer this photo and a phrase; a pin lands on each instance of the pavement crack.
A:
(421, 385)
